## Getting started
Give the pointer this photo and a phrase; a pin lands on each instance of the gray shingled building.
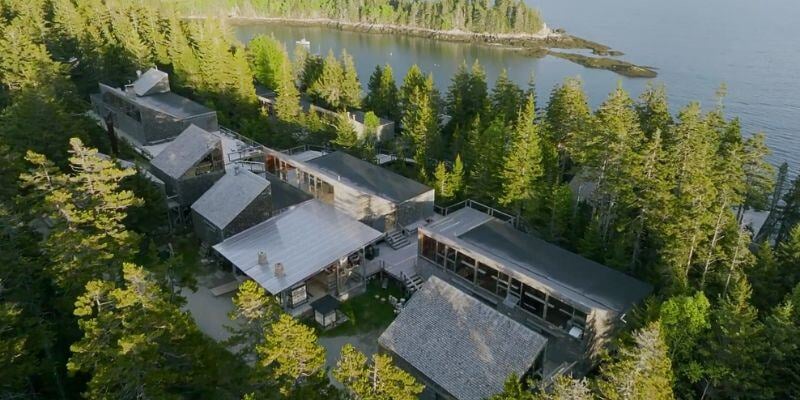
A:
(367, 192)
(189, 165)
(459, 347)
(239, 200)
(147, 112)
(569, 298)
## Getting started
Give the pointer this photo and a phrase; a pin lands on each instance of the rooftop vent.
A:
(279, 272)
(262, 258)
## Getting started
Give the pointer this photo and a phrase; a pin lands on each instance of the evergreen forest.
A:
(91, 279)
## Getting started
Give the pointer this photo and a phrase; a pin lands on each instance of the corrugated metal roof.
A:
(459, 343)
(148, 83)
(189, 148)
(367, 176)
(229, 196)
(306, 239)
(576, 277)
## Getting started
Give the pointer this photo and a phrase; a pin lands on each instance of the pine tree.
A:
(522, 166)
(351, 87)
(567, 115)
(653, 111)
(383, 95)
(641, 372)
(737, 347)
(136, 344)
(329, 87)
(421, 128)
(486, 154)
(457, 178)
(89, 239)
(414, 80)
(507, 97)
(513, 390)
(287, 105)
(291, 354)
(788, 257)
(253, 311)
(346, 136)
(375, 380)
(444, 190)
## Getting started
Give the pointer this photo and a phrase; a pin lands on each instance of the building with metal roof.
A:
(302, 253)
(459, 347)
(546, 287)
(146, 112)
(367, 192)
(190, 164)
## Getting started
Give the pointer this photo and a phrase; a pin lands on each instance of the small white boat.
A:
(303, 42)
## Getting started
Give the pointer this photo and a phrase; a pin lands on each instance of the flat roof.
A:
(147, 84)
(229, 196)
(305, 238)
(367, 176)
(188, 149)
(570, 274)
(464, 346)
(175, 105)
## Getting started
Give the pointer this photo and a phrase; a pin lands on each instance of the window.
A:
(428, 247)
(532, 301)
(450, 259)
(558, 312)
(502, 284)
(487, 277)
(440, 252)
(465, 267)
(298, 295)
(516, 288)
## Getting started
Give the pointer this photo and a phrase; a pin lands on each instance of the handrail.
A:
(469, 203)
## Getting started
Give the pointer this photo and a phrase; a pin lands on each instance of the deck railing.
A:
(469, 203)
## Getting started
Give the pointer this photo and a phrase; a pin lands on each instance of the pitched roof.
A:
(575, 276)
(151, 82)
(229, 196)
(285, 195)
(305, 238)
(461, 344)
(172, 104)
(367, 176)
(189, 148)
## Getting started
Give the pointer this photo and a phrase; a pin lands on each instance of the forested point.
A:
(476, 16)
(92, 279)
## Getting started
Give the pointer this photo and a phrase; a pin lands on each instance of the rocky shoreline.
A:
(535, 45)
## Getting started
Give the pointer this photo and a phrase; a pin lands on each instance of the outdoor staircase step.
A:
(397, 240)
(413, 282)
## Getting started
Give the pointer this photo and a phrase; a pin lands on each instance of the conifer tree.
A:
(487, 147)
(522, 166)
(346, 135)
(507, 97)
(567, 115)
(444, 190)
(653, 111)
(414, 80)
(421, 127)
(457, 178)
(685, 323)
(268, 60)
(642, 372)
(89, 239)
(374, 380)
(136, 344)
(291, 354)
(287, 105)
(329, 87)
(253, 311)
(351, 87)
(383, 94)
(513, 390)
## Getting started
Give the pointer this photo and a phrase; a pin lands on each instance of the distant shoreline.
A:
(535, 45)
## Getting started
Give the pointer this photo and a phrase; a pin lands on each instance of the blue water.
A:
(751, 47)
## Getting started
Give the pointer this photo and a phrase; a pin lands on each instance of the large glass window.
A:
(465, 267)
(516, 288)
(558, 312)
(487, 277)
(450, 259)
(440, 253)
(502, 284)
(532, 301)
(428, 247)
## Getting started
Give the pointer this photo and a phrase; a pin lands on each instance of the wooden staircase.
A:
(397, 240)
(413, 282)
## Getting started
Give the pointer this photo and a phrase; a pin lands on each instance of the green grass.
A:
(365, 312)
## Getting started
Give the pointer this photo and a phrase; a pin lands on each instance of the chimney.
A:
(138, 73)
(279, 273)
(262, 258)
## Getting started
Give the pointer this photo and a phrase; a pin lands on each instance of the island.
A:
(509, 24)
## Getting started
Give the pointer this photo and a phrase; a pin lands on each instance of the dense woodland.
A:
(90, 302)
(478, 16)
